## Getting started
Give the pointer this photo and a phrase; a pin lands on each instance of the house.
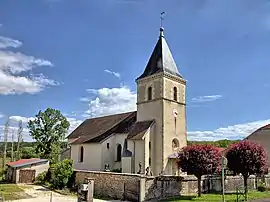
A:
(26, 170)
(262, 136)
(147, 138)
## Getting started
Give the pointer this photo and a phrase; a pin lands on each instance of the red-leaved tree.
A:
(199, 160)
(247, 158)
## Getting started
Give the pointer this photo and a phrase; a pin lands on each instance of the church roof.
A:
(100, 128)
(161, 60)
(138, 129)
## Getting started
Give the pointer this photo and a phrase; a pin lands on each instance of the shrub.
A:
(261, 187)
(41, 178)
(62, 173)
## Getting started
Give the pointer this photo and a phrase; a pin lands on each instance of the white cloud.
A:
(13, 127)
(20, 118)
(74, 123)
(6, 42)
(238, 131)
(12, 64)
(1, 115)
(206, 98)
(107, 101)
(116, 74)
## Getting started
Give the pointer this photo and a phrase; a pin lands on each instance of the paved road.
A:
(41, 194)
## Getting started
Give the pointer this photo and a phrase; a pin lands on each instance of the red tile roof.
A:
(24, 162)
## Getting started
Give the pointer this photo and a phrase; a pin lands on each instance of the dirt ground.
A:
(41, 194)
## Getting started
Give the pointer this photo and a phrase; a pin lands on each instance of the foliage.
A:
(62, 173)
(247, 158)
(29, 152)
(219, 143)
(48, 129)
(2, 174)
(41, 178)
(261, 186)
(199, 160)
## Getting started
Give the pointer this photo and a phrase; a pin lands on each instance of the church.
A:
(142, 141)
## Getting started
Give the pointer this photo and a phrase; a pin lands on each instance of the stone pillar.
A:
(90, 192)
(142, 189)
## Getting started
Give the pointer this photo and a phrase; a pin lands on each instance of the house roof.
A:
(138, 129)
(26, 162)
(161, 59)
(263, 128)
(98, 129)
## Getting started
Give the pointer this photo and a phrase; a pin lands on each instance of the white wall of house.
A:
(92, 156)
(96, 155)
(139, 155)
(109, 150)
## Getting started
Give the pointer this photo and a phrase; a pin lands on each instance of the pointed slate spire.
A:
(161, 59)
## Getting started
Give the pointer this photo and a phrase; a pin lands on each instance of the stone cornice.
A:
(157, 99)
(161, 74)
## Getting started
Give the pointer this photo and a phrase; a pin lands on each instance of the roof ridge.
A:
(110, 115)
(114, 125)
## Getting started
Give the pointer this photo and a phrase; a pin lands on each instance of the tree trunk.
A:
(245, 185)
(199, 186)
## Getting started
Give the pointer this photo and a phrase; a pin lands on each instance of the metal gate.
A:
(27, 176)
(132, 191)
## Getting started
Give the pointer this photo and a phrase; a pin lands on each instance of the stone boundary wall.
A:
(112, 185)
(140, 188)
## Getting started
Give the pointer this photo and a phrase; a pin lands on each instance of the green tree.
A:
(48, 129)
(29, 152)
(62, 173)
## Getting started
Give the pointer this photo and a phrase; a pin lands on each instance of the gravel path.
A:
(41, 194)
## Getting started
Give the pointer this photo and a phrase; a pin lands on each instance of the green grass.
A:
(218, 198)
(12, 192)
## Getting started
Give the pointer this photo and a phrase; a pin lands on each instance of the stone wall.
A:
(139, 187)
(112, 185)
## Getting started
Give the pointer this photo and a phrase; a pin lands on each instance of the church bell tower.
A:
(161, 93)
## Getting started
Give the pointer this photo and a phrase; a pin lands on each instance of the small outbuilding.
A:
(26, 170)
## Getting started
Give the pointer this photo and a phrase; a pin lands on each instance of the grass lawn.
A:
(218, 198)
(12, 192)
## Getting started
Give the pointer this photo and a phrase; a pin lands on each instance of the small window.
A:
(149, 93)
(119, 152)
(174, 93)
(150, 161)
(149, 145)
(108, 145)
(81, 154)
(175, 143)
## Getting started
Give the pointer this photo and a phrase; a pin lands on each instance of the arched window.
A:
(81, 154)
(149, 93)
(174, 93)
(119, 152)
(175, 144)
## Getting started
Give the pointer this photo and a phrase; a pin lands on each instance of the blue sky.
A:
(82, 57)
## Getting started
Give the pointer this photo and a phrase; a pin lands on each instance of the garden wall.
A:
(139, 187)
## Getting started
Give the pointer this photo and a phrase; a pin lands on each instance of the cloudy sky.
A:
(82, 57)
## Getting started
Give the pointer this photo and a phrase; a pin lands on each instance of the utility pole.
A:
(5, 142)
(19, 135)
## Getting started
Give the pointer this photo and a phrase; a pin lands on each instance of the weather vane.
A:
(162, 18)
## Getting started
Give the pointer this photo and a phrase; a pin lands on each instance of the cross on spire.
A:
(161, 19)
